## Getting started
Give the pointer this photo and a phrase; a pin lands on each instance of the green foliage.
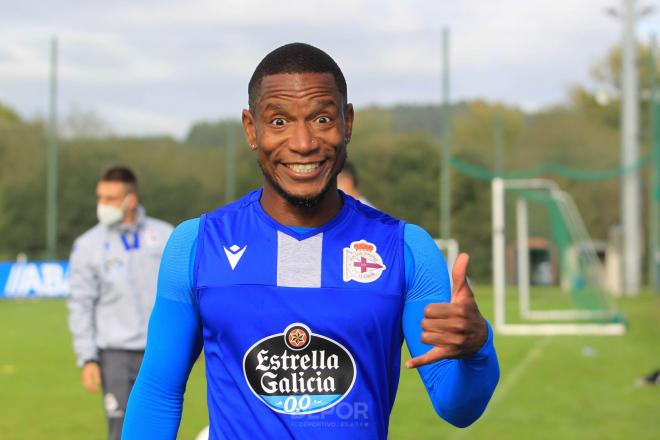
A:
(176, 182)
(604, 103)
(214, 135)
(8, 115)
(397, 153)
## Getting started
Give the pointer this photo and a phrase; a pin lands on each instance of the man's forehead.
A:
(298, 85)
(110, 187)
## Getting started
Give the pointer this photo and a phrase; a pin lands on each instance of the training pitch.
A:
(550, 387)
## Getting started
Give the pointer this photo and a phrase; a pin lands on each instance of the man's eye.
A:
(278, 122)
(323, 119)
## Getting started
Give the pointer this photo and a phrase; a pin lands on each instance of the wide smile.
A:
(304, 170)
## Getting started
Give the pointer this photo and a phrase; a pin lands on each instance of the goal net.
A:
(573, 300)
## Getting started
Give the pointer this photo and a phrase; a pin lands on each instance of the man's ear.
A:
(249, 128)
(132, 200)
(348, 122)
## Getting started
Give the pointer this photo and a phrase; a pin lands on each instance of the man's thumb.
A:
(459, 276)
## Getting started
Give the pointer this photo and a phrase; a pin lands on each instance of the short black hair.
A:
(120, 174)
(349, 170)
(295, 58)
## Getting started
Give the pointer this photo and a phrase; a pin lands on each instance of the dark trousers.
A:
(119, 369)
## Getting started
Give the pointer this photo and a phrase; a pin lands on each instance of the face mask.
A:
(109, 215)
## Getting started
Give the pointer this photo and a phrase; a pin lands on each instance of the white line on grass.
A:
(512, 378)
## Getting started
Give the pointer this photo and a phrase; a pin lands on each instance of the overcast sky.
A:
(148, 66)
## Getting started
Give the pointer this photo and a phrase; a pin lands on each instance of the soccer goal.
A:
(589, 311)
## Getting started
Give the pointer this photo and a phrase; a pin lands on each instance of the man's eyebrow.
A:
(275, 107)
(321, 105)
(318, 107)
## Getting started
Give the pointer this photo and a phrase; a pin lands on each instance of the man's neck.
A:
(283, 212)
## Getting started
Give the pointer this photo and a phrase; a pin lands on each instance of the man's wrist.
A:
(486, 348)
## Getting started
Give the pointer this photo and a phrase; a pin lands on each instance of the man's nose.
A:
(302, 140)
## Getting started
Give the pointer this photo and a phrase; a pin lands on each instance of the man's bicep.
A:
(174, 342)
(174, 339)
(427, 276)
(175, 281)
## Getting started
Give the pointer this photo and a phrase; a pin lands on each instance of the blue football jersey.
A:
(302, 331)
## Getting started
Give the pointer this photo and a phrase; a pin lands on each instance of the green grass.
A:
(548, 388)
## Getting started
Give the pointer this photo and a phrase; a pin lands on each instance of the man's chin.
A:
(307, 201)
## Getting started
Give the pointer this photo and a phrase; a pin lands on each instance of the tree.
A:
(84, 124)
(603, 100)
(8, 114)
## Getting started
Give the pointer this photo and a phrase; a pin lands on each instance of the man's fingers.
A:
(461, 290)
(91, 377)
(433, 355)
(432, 338)
(90, 384)
(442, 339)
(438, 311)
(445, 326)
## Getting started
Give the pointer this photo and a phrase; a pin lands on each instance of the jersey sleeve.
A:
(174, 342)
(84, 285)
(459, 388)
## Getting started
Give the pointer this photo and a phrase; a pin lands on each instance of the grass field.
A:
(548, 388)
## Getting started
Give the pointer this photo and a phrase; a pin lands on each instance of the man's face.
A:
(300, 128)
(114, 194)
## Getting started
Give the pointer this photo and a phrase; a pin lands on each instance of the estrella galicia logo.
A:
(298, 372)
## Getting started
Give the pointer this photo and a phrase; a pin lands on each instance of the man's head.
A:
(295, 58)
(116, 195)
(299, 122)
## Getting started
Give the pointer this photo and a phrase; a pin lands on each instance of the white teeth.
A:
(303, 167)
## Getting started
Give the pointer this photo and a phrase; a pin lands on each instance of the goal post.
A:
(603, 319)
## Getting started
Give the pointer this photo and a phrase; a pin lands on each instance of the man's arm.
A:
(84, 286)
(459, 385)
(174, 342)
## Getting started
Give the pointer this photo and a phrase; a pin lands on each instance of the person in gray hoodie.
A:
(113, 274)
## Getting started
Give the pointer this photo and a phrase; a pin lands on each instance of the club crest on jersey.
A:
(297, 372)
(151, 238)
(362, 263)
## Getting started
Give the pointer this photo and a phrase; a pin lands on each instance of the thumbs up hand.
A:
(455, 329)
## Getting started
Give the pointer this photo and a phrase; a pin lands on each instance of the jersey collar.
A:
(337, 219)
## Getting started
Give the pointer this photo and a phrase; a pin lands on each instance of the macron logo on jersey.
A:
(234, 254)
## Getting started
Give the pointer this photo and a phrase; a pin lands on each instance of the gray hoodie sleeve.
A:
(84, 282)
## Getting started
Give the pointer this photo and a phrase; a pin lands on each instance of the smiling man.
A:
(300, 296)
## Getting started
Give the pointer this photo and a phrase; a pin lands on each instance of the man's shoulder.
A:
(236, 206)
(89, 241)
(372, 214)
(91, 236)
